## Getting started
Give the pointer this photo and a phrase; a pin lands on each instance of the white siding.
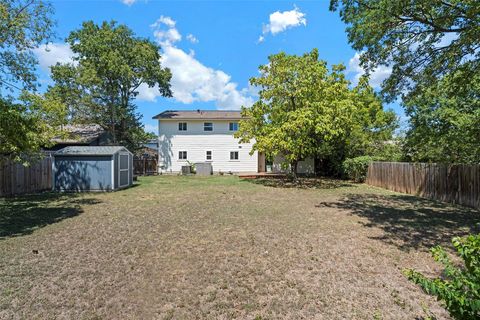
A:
(303, 167)
(197, 142)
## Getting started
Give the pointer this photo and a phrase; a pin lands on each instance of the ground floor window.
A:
(182, 155)
(209, 155)
(233, 155)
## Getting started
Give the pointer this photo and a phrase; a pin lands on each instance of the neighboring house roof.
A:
(146, 153)
(90, 151)
(80, 134)
(199, 115)
(153, 141)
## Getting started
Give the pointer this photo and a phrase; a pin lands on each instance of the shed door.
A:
(123, 169)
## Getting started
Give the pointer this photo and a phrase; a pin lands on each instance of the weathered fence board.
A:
(17, 179)
(449, 183)
(145, 167)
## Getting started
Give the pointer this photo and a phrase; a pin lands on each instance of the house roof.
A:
(152, 141)
(90, 151)
(199, 115)
(145, 153)
(80, 133)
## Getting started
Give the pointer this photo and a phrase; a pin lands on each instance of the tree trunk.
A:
(112, 122)
(293, 167)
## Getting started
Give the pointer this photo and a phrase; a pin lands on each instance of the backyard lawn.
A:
(222, 248)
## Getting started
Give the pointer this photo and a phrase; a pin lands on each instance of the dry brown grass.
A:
(221, 248)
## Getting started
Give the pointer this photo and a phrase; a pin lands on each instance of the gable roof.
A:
(90, 151)
(80, 134)
(199, 115)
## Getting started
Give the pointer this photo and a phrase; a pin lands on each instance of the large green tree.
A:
(110, 64)
(29, 124)
(24, 25)
(422, 40)
(306, 110)
(445, 122)
(433, 47)
(28, 121)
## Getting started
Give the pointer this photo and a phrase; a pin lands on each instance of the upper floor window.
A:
(182, 155)
(233, 126)
(182, 126)
(207, 126)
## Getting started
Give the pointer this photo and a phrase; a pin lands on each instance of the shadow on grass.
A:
(22, 215)
(410, 222)
(302, 183)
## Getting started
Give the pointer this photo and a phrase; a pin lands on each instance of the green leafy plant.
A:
(111, 64)
(459, 287)
(306, 109)
(356, 168)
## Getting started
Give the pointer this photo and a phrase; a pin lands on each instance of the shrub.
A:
(356, 168)
(459, 287)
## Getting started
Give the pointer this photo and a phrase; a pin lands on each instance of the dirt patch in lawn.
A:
(221, 248)
(302, 183)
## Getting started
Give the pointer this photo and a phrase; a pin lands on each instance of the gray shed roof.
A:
(199, 115)
(90, 150)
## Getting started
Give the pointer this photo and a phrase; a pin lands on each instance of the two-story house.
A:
(204, 136)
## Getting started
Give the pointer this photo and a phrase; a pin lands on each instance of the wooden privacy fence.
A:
(449, 183)
(144, 167)
(17, 179)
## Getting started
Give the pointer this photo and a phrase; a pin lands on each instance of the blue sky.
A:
(213, 47)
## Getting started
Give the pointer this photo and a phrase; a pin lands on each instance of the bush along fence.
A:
(16, 179)
(458, 184)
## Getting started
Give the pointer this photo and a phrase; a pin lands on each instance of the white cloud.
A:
(169, 22)
(377, 76)
(151, 128)
(191, 80)
(281, 21)
(129, 2)
(167, 37)
(48, 55)
(146, 93)
(192, 38)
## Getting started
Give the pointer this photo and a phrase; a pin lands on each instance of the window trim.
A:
(238, 155)
(211, 126)
(180, 158)
(181, 125)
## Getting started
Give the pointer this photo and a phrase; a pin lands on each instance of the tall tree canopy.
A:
(422, 40)
(305, 110)
(28, 125)
(445, 122)
(110, 64)
(24, 25)
(28, 121)
(433, 47)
